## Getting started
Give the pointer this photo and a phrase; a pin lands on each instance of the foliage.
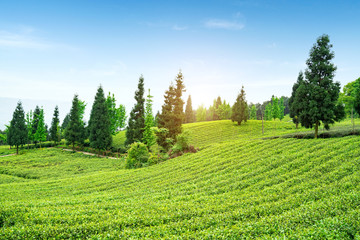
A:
(136, 124)
(281, 108)
(297, 99)
(17, 133)
(224, 111)
(253, 112)
(55, 127)
(29, 125)
(349, 97)
(189, 115)
(201, 113)
(117, 115)
(240, 108)
(275, 111)
(75, 131)
(138, 155)
(65, 123)
(40, 135)
(149, 135)
(321, 93)
(100, 124)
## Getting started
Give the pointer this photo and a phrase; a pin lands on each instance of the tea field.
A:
(238, 186)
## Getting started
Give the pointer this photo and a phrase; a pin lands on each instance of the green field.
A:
(238, 186)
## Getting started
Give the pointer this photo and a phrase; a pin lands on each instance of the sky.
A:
(51, 50)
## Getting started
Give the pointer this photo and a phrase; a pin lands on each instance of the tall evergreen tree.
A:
(275, 108)
(296, 99)
(75, 131)
(17, 134)
(99, 124)
(40, 135)
(253, 112)
(281, 108)
(29, 126)
(189, 111)
(65, 122)
(240, 111)
(54, 129)
(136, 124)
(321, 92)
(149, 137)
(178, 106)
(35, 121)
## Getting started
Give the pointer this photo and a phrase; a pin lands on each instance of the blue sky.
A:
(51, 50)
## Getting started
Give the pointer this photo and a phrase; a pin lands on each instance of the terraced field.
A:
(237, 187)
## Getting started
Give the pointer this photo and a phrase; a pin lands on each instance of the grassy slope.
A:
(234, 187)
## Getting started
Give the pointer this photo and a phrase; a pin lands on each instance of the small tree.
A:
(122, 116)
(136, 124)
(138, 155)
(29, 126)
(268, 112)
(281, 108)
(17, 134)
(99, 124)
(40, 135)
(149, 136)
(178, 107)
(240, 108)
(75, 131)
(253, 111)
(189, 111)
(275, 111)
(54, 129)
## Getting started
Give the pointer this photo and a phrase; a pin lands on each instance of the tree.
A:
(253, 112)
(275, 111)
(268, 112)
(17, 134)
(281, 108)
(240, 108)
(217, 104)
(75, 131)
(40, 135)
(201, 113)
(296, 99)
(117, 115)
(178, 106)
(99, 123)
(356, 95)
(189, 111)
(29, 126)
(65, 122)
(122, 116)
(149, 136)
(54, 129)
(35, 121)
(224, 111)
(136, 124)
(321, 92)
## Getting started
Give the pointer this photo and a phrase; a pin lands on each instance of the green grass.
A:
(238, 186)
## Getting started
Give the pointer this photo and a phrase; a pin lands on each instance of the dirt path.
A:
(90, 154)
(8, 155)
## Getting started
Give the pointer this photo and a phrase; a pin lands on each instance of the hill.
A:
(238, 186)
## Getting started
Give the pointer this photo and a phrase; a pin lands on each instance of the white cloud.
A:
(224, 24)
(179, 28)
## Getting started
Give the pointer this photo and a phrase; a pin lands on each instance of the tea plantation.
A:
(238, 186)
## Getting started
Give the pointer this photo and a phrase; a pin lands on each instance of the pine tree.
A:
(99, 124)
(149, 137)
(40, 135)
(275, 108)
(29, 126)
(35, 121)
(75, 131)
(296, 99)
(321, 92)
(240, 109)
(65, 122)
(55, 123)
(136, 124)
(281, 108)
(113, 113)
(253, 112)
(189, 111)
(17, 133)
(178, 107)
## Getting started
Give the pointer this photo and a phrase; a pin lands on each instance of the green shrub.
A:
(138, 155)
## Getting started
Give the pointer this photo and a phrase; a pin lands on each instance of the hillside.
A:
(238, 186)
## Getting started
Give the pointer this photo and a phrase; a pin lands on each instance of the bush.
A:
(182, 145)
(138, 155)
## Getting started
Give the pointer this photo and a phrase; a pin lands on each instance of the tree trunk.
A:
(239, 123)
(316, 129)
(297, 125)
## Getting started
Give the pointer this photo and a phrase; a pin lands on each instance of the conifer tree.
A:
(275, 108)
(40, 135)
(75, 131)
(149, 137)
(178, 106)
(240, 111)
(189, 111)
(136, 124)
(253, 112)
(29, 126)
(321, 92)
(17, 133)
(99, 124)
(281, 108)
(296, 99)
(65, 122)
(216, 106)
(55, 123)
(35, 121)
